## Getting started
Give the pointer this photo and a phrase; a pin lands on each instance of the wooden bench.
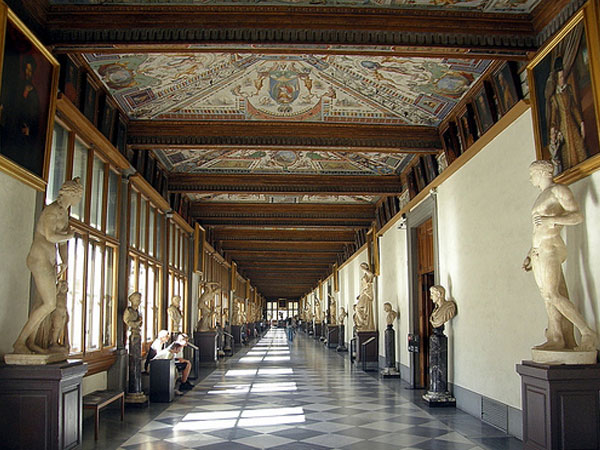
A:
(98, 400)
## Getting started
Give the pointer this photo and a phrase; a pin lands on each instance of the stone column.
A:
(134, 391)
(390, 370)
(437, 394)
(342, 339)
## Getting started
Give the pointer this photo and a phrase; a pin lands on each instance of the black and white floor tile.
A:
(301, 396)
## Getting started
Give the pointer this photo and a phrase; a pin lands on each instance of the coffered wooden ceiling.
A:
(286, 121)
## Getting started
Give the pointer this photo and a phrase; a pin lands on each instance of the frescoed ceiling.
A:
(281, 162)
(284, 199)
(493, 6)
(305, 88)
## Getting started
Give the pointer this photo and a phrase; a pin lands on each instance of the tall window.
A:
(145, 266)
(179, 244)
(92, 254)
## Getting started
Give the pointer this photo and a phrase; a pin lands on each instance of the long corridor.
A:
(303, 396)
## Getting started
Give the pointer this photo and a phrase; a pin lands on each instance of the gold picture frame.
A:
(28, 92)
(564, 85)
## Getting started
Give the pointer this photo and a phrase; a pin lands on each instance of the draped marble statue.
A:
(133, 319)
(206, 309)
(332, 310)
(364, 307)
(175, 315)
(52, 232)
(318, 311)
(554, 208)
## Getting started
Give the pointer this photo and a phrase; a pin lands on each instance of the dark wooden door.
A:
(425, 273)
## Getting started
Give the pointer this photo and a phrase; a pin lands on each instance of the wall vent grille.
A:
(494, 413)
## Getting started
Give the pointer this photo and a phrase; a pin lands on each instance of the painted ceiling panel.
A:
(251, 161)
(493, 6)
(311, 88)
(287, 199)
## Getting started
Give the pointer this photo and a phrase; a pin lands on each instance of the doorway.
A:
(425, 279)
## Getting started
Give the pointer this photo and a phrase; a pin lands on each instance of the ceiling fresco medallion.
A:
(284, 199)
(492, 6)
(249, 161)
(325, 88)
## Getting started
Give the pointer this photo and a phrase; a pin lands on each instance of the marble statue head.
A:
(71, 191)
(135, 299)
(387, 306)
(438, 293)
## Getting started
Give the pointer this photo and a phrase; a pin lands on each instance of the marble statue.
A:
(444, 309)
(343, 315)
(131, 316)
(554, 208)
(53, 334)
(364, 306)
(235, 313)
(318, 311)
(206, 309)
(391, 314)
(225, 316)
(332, 310)
(133, 319)
(52, 232)
(175, 315)
(437, 393)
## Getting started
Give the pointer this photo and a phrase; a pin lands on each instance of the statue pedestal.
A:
(333, 335)
(390, 371)
(135, 396)
(41, 406)
(561, 405)
(206, 341)
(341, 336)
(318, 330)
(366, 352)
(236, 331)
(437, 395)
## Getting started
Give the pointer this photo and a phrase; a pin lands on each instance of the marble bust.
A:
(391, 314)
(52, 232)
(174, 313)
(131, 316)
(554, 208)
(444, 309)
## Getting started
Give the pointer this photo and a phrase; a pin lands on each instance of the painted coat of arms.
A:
(284, 88)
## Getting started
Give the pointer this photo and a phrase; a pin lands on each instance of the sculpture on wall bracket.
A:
(52, 232)
(437, 393)
(365, 319)
(390, 370)
(554, 208)
(174, 313)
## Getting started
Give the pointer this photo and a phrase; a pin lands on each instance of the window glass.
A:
(58, 162)
(159, 235)
(143, 222)
(112, 205)
(150, 301)
(142, 290)
(151, 231)
(109, 286)
(132, 276)
(133, 218)
(80, 162)
(76, 278)
(97, 193)
(94, 296)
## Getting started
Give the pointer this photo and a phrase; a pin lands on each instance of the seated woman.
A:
(160, 343)
(183, 365)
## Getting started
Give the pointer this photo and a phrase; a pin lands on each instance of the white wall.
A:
(93, 383)
(392, 287)
(17, 203)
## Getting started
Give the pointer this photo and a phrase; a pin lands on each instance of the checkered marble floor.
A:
(295, 396)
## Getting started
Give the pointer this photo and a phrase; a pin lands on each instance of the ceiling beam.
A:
(295, 246)
(289, 210)
(89, 26)
(285, 184)
(342, 137)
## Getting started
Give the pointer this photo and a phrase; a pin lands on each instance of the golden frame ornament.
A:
(559, 82)
(38, 71)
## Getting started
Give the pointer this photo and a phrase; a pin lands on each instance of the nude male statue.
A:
(52, 230)
(554, 208)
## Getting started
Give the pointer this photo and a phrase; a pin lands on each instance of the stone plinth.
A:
(134, 395)
(333, 334)
(561, 406)
(341, 339)
(367, 354)
(390, 371)
(318, 331)
(437, 394)
(206, 341)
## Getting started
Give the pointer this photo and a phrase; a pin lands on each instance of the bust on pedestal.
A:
(342, 336)
(390, 370)
(437, 394)
(133, 319)
(175, 316)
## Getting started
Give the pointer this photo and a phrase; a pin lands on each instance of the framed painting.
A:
(70, 79)
(467, 126)
(483, 111)
(505, 87)
(28, 89)
(451, 142)
(564, 87)
(89, 105)
(107, 118)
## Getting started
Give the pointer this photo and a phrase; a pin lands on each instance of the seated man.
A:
(160, 343)
(183, 365)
